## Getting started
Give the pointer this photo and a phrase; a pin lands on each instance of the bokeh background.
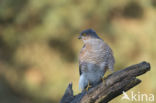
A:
(39, 46)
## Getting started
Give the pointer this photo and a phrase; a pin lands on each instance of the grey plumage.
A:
(94, 59)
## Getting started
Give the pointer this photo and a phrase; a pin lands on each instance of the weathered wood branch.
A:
(114, 85)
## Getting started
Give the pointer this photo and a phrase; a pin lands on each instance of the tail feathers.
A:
(111, 68)
(111, 62)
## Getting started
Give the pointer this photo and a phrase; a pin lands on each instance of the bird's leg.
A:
(88, 86)
(103, 80)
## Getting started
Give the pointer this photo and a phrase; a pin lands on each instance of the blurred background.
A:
(39, 46)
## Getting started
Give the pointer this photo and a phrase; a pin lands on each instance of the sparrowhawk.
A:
(95, 58)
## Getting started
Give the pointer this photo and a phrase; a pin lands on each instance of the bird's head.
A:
(88, 35)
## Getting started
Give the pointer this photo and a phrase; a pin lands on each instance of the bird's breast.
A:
(92, 54)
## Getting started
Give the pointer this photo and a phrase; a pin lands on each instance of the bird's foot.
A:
(88, 86)
(103, 80)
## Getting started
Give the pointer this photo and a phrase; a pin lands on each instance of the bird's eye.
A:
(84, 34)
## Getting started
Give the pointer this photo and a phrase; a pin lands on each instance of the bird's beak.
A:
(79, 37)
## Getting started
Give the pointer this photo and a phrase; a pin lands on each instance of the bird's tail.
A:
(111, 62)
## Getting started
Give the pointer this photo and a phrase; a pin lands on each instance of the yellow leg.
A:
(103, 80)
(89, 86)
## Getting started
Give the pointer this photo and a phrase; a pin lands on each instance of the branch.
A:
(113, 86)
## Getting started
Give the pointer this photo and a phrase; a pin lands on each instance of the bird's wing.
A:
(80, 69)
(108, 56)
(82, 66)
(81, 63)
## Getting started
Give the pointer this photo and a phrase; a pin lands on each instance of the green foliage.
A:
(39, 46)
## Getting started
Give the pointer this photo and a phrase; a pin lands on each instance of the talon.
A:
(88, 86)
(103, 80)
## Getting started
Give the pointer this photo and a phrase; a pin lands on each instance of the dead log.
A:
(113, 86)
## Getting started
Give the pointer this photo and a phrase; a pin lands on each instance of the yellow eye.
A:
(84, 34)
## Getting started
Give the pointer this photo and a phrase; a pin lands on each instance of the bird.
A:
(95, 58)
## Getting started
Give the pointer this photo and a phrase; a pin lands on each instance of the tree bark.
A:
(113, 86)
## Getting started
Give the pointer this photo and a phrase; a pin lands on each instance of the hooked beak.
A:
(79, 37)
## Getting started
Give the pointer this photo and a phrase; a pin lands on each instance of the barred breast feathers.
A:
(90, 52)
